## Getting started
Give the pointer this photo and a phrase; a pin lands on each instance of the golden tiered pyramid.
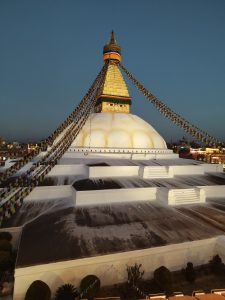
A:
(113, 95)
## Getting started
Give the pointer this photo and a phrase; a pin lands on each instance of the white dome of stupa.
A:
(118, 130)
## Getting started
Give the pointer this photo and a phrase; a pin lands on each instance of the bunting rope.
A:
(86, 97)
(191, 129)
(21, 162)
(11, 200)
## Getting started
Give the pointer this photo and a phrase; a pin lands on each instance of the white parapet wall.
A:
(69, 157)
(113, 171)
(220, 247)
(197, 194)
(212, 168)
(111, 269)
(187, 170)
(154, 171)
(98, 197)
(67, 170)
(167, 155)
(126, 153)
(199, 169)
(214, 191)
(120, 150)
(156, 155)
(43, 193)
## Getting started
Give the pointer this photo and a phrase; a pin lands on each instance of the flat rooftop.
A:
(56, 230)
(97, 230)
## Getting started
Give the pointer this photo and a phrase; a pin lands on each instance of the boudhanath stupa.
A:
(115, 197)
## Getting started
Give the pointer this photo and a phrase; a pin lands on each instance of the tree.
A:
(89, 287)
(5, 245)
(7, 257)
(134, 275)
(194, 144)
(5, 236)
(67, 292)
(6, 254)
(190, 272)
(163, 278)
(216, 265)
(5, 260)
(38, 290)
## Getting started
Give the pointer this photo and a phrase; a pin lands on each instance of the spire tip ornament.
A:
(112, 38)
(112, 50)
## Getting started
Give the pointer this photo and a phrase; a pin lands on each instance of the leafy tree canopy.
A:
(67, 292)
(5, 236)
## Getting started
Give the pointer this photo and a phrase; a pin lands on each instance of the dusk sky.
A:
(51, 51)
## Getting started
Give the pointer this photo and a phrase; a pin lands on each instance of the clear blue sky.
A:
(51, 51)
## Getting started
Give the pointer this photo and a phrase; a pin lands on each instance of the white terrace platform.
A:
(174, 181)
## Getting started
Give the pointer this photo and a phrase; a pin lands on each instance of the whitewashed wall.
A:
(113, 171)
(66, 170)
(111, 269)
(43, 193)
(214, 191)
(109, 196)
(213, 168)
(220, 247)
(187, 170)
(98, 197)
(118, 171)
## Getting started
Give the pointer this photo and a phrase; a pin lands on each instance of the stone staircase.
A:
(155, 172)
(186, 196)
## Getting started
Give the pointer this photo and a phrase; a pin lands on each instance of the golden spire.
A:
(113, 94)
(111, 50)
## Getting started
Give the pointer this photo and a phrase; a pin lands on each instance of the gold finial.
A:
(112, 38)
(111, 50)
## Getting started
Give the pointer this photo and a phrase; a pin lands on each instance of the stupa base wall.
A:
(85, 198)
(123, 195)
(111, 269)
(127, 153)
